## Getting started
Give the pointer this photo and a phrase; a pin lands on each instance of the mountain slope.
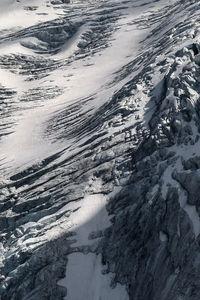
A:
(99, 150)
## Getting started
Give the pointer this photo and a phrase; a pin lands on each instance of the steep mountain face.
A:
(99, 150)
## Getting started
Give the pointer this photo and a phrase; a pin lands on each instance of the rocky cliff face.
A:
(100, 115)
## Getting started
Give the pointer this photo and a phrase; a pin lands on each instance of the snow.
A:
(30, 147)
(84, 280)
(13, 14)
(90, 76)
(94, 75)
(24, 146)
(91, 216)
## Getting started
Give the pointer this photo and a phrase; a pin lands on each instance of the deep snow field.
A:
(99, 150)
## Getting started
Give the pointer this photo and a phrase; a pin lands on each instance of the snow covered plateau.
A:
(100, 150)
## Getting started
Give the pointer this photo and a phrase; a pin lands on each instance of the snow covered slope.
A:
(99, 150)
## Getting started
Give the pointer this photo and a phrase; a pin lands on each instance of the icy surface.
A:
(85, 280)
(99, 150)
(84, 275)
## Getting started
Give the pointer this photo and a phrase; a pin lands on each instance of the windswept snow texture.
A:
(99, 150)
